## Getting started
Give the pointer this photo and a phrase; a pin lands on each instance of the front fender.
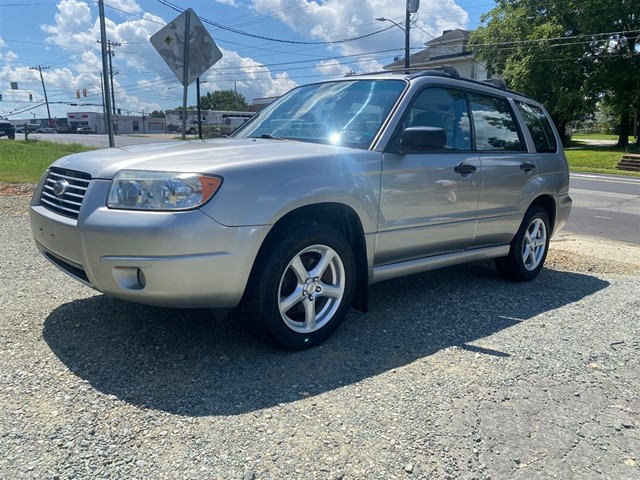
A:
(261, 194)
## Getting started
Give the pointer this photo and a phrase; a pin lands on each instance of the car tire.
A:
(192, 131)
(528, 248)
(301, 286)
(12, 137)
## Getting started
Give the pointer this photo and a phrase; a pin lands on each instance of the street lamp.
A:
(412, 7)
(406, 31)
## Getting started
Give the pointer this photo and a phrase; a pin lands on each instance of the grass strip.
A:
(25, 162)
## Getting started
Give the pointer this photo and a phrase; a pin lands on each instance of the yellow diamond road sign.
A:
(203, 52)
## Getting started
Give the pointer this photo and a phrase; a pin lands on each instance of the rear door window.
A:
(496, 128)
(539, 127)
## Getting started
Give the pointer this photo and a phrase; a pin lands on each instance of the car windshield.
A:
(348, 113)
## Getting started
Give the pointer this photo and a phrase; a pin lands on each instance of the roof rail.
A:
(496, 82)
(443, 71)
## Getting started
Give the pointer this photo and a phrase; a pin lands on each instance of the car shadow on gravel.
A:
(193, 362)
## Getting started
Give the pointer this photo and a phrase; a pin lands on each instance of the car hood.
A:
(210, 156)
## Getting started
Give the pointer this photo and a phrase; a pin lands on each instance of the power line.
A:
(270, 39)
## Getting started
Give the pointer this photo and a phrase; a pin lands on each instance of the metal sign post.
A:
(188, 50)
(185, 73)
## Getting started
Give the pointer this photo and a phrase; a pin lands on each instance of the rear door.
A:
(508, 170)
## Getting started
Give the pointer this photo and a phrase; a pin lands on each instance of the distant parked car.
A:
(65, 129)
(84, 129)
(7, 129)
(192, 127)
(334, 186)
(29, 127)
(45, 130)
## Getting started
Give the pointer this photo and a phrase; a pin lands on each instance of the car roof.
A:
(443, 72)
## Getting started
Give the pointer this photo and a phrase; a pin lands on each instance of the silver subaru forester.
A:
(334, 186)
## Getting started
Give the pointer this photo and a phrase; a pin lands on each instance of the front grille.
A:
(64, 190)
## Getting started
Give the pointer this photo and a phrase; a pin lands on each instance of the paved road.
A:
(605, 207)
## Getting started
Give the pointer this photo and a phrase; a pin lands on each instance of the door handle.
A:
(464, 168)
(527, 167)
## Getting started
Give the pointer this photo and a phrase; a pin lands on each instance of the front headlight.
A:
(142, 190)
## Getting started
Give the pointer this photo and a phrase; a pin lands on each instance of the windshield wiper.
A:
(271, 137)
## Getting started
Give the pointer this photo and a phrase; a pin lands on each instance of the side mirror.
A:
(420, 139)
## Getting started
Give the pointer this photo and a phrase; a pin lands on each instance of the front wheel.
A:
(528, 248)
(302, 286)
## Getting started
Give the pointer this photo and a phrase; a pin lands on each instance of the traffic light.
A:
(31, 97)
(0, 97)
(78, 93)
(84, 92)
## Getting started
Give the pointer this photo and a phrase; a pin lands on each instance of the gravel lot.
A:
(453, 374)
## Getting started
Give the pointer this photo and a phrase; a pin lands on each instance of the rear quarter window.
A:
(495, 126)
(539, 127)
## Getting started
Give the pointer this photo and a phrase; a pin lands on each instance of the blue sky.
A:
(269, 46)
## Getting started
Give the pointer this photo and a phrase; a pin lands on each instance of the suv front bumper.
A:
(168, 259)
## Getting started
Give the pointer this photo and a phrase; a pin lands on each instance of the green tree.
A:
(566, 54)
(616, 53)
(224, 100)
(528, 44)
(157, 114)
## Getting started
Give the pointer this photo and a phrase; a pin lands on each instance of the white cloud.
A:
(8, 57)
(231, 3)
(335, 20)
(75, 29)
(73, 24)
(332, 68)
(250, 77)
(129, 6)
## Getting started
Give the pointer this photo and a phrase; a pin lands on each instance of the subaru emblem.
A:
(60, 187)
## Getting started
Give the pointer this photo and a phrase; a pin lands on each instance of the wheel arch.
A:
(548, 203)
(339, 216)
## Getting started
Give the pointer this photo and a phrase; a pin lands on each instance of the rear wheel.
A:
(301, 289)
(528, 248)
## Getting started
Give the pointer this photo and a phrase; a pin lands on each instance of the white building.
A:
(124, 124)
(219, 118)
(448, 49)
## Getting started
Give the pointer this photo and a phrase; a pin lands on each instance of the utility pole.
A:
(105, 105)
(412, 6)
(407, 36)
(235, 96)
(46, 100)
(103, 41)
(113, 95)
(109, 52)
